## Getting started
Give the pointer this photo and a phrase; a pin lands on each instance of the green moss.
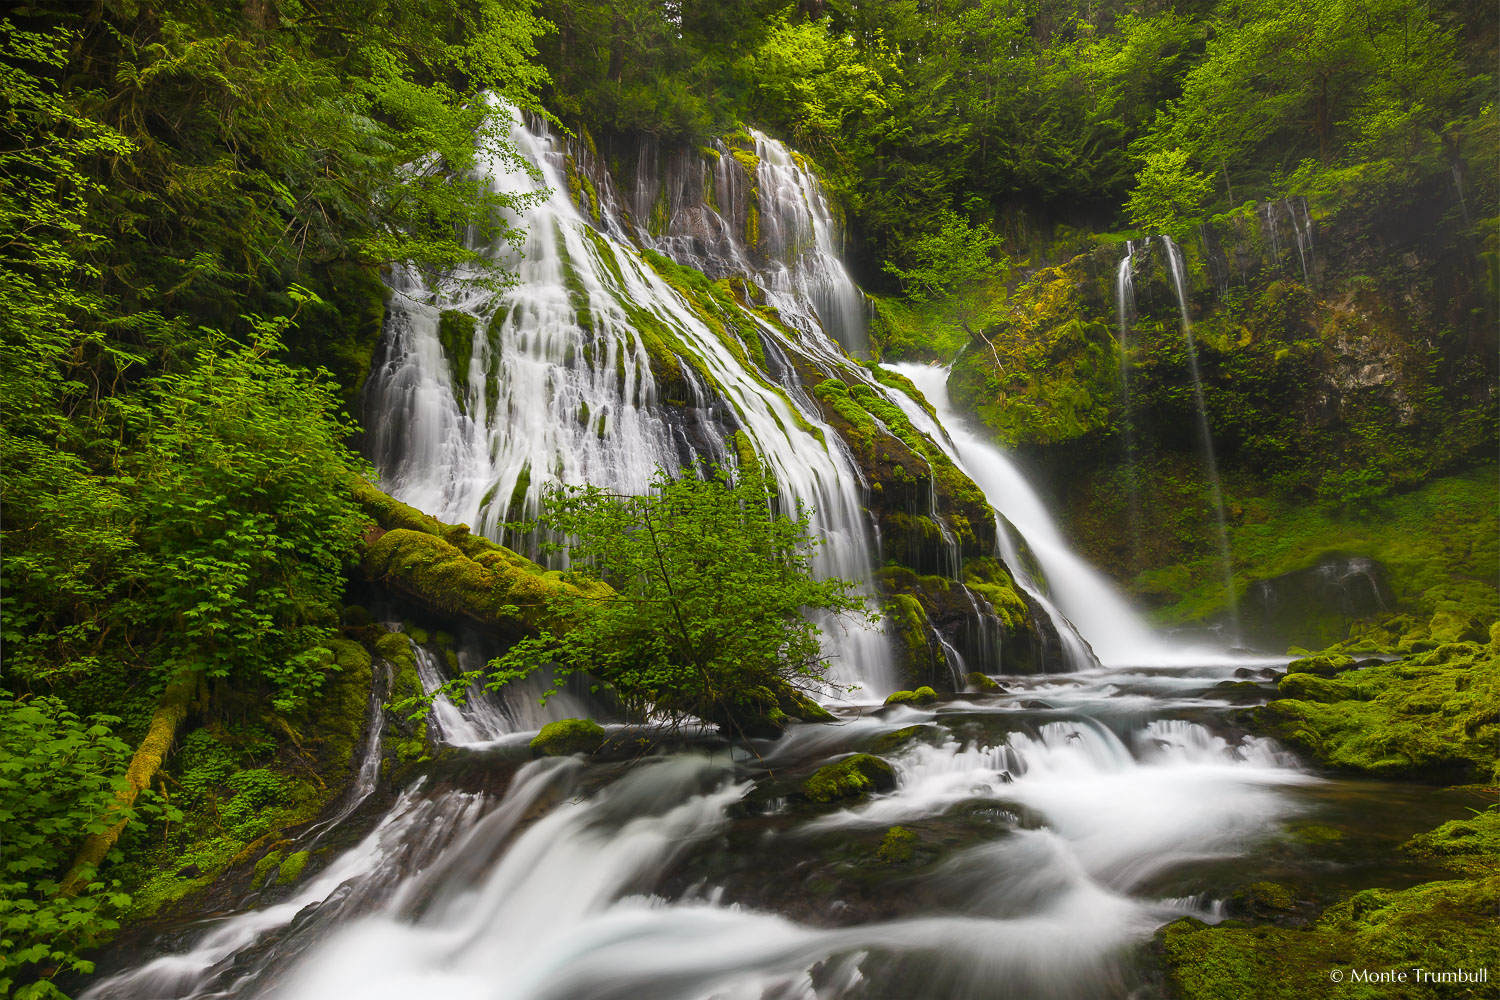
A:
(990, 580)
(980, 682)
(1468, 845)
(568, 736)
(1325, 665)
(291, 868)
(1440, 926)
(921, 696)
(855, 777)
(1432, 716)
(898, 846)
(456, 334)
(895, 741)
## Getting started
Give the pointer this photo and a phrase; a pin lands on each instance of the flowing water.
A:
(1052, 825)
(1205, 436)
(1125, 313)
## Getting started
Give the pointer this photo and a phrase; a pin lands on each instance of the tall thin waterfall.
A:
(1205, 436)
(1125, 311)
(555, 385)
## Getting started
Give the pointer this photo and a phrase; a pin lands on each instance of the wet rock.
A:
(568, 736)
(921, 696)
(855, 777)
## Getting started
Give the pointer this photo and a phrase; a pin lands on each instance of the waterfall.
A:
(1205, 436)
(1085, 608)
(555, 384)
(1125, 312)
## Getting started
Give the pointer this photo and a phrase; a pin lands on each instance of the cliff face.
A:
(1346, 354)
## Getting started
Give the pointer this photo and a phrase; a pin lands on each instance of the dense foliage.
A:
(711, 589)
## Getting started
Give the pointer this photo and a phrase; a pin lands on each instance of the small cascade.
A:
(1205, 436)
(1271, 214)
(367, 775)
(1125, 312)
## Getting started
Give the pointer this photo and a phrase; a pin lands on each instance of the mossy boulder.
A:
(566, 737)
(898, 846)
(1434, 716)
(921, 696)
(982, 682)
(855, 777)
(1324, 665)
(1468, 845)
(901, 737)
(291, 868)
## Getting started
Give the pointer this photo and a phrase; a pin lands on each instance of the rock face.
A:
(1314, 604)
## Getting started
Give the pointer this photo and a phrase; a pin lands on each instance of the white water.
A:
(1116, 634)
(555, 891)
(575, 401)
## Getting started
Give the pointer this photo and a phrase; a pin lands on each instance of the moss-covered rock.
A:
(568, 736)
(921, 696)
(855, 777)
(898, 846)
(1434, 716)
(291, 868)
(1440, 926)
(1471, 846)
(898, 739)
(981, 682)
(1324, 665)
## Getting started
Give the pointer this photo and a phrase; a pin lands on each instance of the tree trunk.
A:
(147, 760)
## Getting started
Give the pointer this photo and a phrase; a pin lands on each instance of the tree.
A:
(708, 618)
(1168, 197)
(957, 254)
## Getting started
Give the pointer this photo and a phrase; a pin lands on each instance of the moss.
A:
(901, 737)
(494, 586)
(1468, 845)
(1432, 716)
(981, 682)
(1325, 665)
(291, 868)
(568, 736)
(456, 334)
(415, 632)
(992, 581)
(855, 777)
(921, 696)
(898, 846)
(1440, 926)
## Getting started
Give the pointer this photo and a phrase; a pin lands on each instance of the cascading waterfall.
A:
(558, 387)
(1205, 436)
(1125, 312)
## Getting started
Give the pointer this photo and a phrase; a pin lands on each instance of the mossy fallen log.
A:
(144, 764)
(454, 572)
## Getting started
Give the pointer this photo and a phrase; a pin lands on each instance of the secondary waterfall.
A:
(1125, 312)
(1205, 435)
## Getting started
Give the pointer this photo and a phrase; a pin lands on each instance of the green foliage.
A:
(956, 255)
(58, 776)
(1168, 197)
(707, 613)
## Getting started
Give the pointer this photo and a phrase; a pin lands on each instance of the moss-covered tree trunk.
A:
(144, 764)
